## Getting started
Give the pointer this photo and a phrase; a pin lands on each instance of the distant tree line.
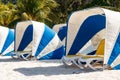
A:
(50, 12)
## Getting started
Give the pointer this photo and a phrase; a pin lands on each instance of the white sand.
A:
(11, 69)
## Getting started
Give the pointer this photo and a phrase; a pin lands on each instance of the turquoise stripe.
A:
(9, 53)
(115, 51)
(56, 54)
(46, 38)
(8, 41)
(117, 67)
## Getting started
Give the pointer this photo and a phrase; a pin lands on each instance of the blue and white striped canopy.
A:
(91, 26)
(6, 41)
(112, 41)
(82, 28)
(61, 30)
(38, 38)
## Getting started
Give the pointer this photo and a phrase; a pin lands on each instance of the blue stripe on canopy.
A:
(62, 32)
(117, 67)
(116, 50)
(27, 38)
(57, 54)
(88, 29)
(46, 38)
(8, 41)
(92, 53)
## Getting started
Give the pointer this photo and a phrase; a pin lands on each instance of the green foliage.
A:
(35, 9)
(7, 14)
(63, 10)
(48, 11)
(66, 7)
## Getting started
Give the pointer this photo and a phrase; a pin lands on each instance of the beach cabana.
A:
(38, 40)
(6, 41)
(61, 30)
(95, 25)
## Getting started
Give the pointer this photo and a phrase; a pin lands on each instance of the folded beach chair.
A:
(35, 40)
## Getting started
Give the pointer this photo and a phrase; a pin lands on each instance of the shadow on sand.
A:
(53, 70)
(47, 71)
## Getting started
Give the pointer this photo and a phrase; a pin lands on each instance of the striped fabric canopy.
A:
(112, 40)
(61, 30)
(82, 26)
(6, 41)
(90, 26)
(38, 38)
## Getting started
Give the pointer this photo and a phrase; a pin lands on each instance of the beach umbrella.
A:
(6, 41)
(39, 39)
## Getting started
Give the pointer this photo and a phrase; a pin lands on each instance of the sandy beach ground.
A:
(14, 69)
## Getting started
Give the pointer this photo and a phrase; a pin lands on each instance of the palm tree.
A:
(62, 11)
(7, 14)
(35, 9)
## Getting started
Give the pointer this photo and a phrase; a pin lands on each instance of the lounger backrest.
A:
(101, 48)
